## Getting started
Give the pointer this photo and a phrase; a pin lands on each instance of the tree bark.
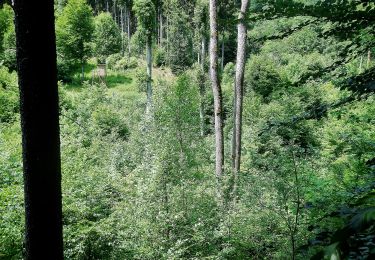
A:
(161, 27)
(129, 36)
(149, 72)
(202, 86)
(222, 53)
(122, 31)
(216, 88)
(368, 59)
(238, 97)
(36, 61)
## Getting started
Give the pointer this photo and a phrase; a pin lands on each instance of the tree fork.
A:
(36, 61)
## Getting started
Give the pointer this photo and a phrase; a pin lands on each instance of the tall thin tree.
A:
(145, 11)
(238, 97)
(36, 59)
(216, 88)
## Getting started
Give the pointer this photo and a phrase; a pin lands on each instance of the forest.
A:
(187, 129)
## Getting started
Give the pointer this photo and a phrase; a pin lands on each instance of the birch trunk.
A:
(122, 31)
(238, 97)
(129, 36)
(368, 59)
(202, 86)
(222, 53)
(216, 88)
(149, 73)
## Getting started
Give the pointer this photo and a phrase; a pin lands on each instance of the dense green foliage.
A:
(137, 186)
(107, 36)
(74, 29)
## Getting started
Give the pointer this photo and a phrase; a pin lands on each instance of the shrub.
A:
(9, 100)
(112, 60)
(141, 80)
(160, 57)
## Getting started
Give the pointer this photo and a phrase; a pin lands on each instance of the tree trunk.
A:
(222, 53)
(161, 27)
(36, 61)
(122, 31)
(129, 36)
(216, 88)
(368, 59)
(149, 72)
(238, 97)
(202, 86)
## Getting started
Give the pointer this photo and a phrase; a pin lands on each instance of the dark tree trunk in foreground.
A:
(238, 97)
(216, 88)
(36, 58)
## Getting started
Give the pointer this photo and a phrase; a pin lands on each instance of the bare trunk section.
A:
(149, 73)
(202, 86)
(216, 88)
(368, 59)
(161, 27)
(36, 61)
(238, 97)
(222, 53)
(129, 36)
(122, 31)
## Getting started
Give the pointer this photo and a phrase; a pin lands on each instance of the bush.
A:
(126, 63)
(160, 57)
(9, 56)
(64, 70)
(112, 60)
(109, 122)
(141, 80)
(138, 43)
(261, 76)
(9, 100)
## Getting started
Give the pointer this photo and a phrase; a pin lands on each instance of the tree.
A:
(238, 97)
(36, 59)
(145, 13)
(74, 29)
(107, 36)
(216, 88)
(201, 22)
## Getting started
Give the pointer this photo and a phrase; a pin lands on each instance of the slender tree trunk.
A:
(222, 53)
(368, 59)
(216, 88)
(114, 11)
(167, 35)
(122, 31)
(202, 86)
(157, 24)
(36, 61)
(161, 27)
(360, 65)
(238, 97)
(149, 72)
(129, 36)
